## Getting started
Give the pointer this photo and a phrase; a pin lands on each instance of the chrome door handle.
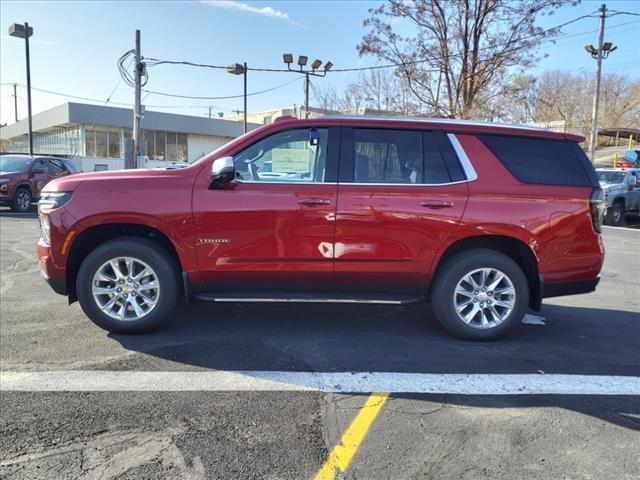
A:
(436, 205)
(314, 202)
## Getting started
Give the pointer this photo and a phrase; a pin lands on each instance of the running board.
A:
(301, 298)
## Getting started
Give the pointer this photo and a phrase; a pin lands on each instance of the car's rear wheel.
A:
(22, 200)
(480, 295)
(128, 286)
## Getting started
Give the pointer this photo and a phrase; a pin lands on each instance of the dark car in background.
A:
(22, 177)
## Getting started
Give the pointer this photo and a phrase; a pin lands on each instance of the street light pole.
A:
(306, 95)
(596, 96)
(15, 103)
(241, 69)
(315, 65)
(244, 130)
(25, 31)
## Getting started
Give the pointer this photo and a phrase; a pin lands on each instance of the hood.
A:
(610, 185)
(11, 176)
(71, 182)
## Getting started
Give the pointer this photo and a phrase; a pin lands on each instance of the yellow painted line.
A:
(342, 454)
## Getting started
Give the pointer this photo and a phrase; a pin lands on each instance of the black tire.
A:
(22, 200)
(454, 269)
(615, 215)
(148, 252)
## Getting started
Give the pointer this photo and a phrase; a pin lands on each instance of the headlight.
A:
(4, 187)
(51, 200)
(45, 227)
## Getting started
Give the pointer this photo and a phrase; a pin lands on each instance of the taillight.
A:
(596, 205)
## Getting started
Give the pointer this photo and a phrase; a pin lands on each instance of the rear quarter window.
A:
(542, 160)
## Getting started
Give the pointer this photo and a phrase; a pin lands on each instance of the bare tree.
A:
(460, 52)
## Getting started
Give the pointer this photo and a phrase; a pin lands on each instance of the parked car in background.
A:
(481, 220)
(621, 193)
(22, 178)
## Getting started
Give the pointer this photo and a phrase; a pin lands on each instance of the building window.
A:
(101, 142)
(161, 145)
(148, 142)
(182, 148)
(89, 142)
(172, 151)
(115, 143)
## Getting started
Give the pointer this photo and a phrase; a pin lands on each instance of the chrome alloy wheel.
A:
(484, 298)
(23, 200)
(125, 288)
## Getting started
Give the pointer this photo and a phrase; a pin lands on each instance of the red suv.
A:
(481, 220)
(22, 178)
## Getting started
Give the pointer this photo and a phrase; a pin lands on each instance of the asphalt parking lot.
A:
(253, 428)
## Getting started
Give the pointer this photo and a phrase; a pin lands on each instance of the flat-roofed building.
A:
(95, 137)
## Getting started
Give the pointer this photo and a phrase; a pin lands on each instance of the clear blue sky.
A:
(76, 44)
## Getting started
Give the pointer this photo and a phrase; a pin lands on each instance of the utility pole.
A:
(596, 96)
(210, 107)
(306, 95)
(15, 103)
(137, 114)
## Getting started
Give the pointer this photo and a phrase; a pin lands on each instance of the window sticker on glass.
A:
(290, 160)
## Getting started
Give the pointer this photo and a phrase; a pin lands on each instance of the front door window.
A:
(291, 156)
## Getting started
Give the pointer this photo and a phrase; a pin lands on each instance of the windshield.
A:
(611, 177)
(11, 163)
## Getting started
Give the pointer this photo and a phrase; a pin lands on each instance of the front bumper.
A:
(52, 275)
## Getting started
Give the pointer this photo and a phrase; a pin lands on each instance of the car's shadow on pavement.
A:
(338, 338)
(388, 339)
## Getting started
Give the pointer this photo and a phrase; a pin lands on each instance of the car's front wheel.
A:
(615, 215)
(22, 200)
(128, 285)
(480, 295)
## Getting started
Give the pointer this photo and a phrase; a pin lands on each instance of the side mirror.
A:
(633, 182)
(223, 171)
(37, 171)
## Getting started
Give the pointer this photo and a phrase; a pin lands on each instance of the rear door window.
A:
(399, 157)
(542, 160)
(387, 156)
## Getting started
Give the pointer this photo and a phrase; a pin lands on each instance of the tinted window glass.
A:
(450, 158)
(285, 157)
(70, 166)
(39, 165)
(55, 167)
(539, 160)
(387, 156)
(435, 169)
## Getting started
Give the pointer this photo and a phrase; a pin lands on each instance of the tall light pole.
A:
(25, 31)
(315, 65)
(241, 69)
(600, 53)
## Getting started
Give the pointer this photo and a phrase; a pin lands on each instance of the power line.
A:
(155, 61)
(228, 97)
(96, 100)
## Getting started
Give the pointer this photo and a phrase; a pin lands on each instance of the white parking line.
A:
(352, 382)
(621, 228)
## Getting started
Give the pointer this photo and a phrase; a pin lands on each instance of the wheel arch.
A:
(513, 247)
(23, 184)
(92, 237)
